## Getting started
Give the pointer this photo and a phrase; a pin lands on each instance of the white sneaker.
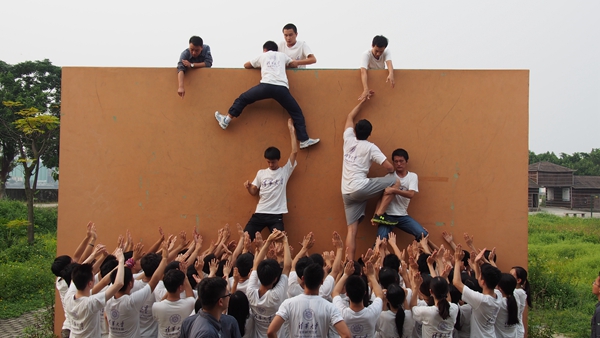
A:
(309, 142)
(221, 119)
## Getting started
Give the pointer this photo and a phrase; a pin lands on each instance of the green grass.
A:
(564, 260)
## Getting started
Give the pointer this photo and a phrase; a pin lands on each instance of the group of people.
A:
(243, 287)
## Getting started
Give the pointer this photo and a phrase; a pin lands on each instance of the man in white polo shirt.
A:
(296, 50)
(273, 85)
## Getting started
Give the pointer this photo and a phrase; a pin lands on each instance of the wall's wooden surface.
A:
(135, 156)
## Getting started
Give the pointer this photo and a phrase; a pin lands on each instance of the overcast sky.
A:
(558, 41)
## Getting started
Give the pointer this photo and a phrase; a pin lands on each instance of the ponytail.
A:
(395, 297)
(399, 320)
(444, 308)
(513, 311)
(507, 285)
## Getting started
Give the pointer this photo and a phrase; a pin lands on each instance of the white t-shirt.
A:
(386, 325)
(363, 322)
(299, 51)
(263, 308)
(294, 288)
(123, 313)
(148, 326)
(242, 286)
(433, 324)
(521, 297)
(271, 186)
(368, 61)
(399, 205)
(272, 67)
(83, 312)
(309, 316)
(503, 330)
(170, 315)
(62, 288)
(465, 321)
(358, 155)
(485, 310)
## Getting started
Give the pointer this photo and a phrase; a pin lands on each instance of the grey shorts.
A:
(355, 203)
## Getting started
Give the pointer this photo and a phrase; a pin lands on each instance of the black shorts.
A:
(259, 221)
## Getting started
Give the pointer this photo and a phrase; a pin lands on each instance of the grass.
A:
(564, 260)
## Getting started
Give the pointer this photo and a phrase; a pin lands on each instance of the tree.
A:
(584, 164)
(30, 116)
(35, 84)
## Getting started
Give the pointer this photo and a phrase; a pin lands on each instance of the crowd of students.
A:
(238, 287)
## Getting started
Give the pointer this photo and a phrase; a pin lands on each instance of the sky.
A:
(558, 41)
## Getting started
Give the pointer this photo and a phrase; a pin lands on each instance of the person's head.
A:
(108, 265)
(214, 293)
(379, 45)
(83, 277)
(490, 276)
(317, 258)
(356, 289)
(471, 282)
(400, 159)
(596, 286)
(244, 264)
(173, 281)
(67, 272)
(422, 263)
(507, 286)
(520, 275)
(439, 290)
(272, 155)
(313, 276)
(59, 264)
(363, 129)
(150, 263)
(395, 297)
(268, 272)
(388, 276)
(301, 264)
(424, 289)
(465, 260)
(270, 46)
(127, 279)
(391, 261)
(191, 271)
(290, 32)
(207, 259)
(196, 44)
(487, 253)
(239, 308)
(174, 265)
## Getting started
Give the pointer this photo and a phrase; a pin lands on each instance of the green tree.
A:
(35, 84)
(584, 164)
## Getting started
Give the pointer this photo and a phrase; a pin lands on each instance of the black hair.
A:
(127, 278)
(313, 276)
(82, 275)
(59, 264)
(173, 280)
(455, 297)
(388, 276)
(174, 265)
(317, 258)
(395, 296)
(491, 275)
(422, 263)
(270, 45)
(207, 259)
(487, 253)
(356, 289)
(471, 282)
(424, 288)
(522, 275)
(196, 41)
(244, 264)
(400, 153)
(380, 41)
(109, 263)
(149, 263)
(292, 27)
(190, 272)
(363, 129)
(239, 308)
(127, 255)
(439, 290)
(68, 271)
(268, 271)
(391, 261)
(210, 290)
(272, 153)
(198, 305)
(466, 258)
(301, 264)
(507, 284)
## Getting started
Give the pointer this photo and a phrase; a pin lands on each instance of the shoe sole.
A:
(306, 146)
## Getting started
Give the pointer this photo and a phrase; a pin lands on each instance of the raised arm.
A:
(364, 79)
(158, 274)
(287, 256)
(274, 236)
(87, 244)
(449, 239)
(294, 153)
(457, 280)
(339, 252)
(118, 284)
(156, 246)
(339, 286)
(370, 269)
(307, 243)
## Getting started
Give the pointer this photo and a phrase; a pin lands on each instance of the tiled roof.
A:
(532, 184)
(549, 167)
(586, 182)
